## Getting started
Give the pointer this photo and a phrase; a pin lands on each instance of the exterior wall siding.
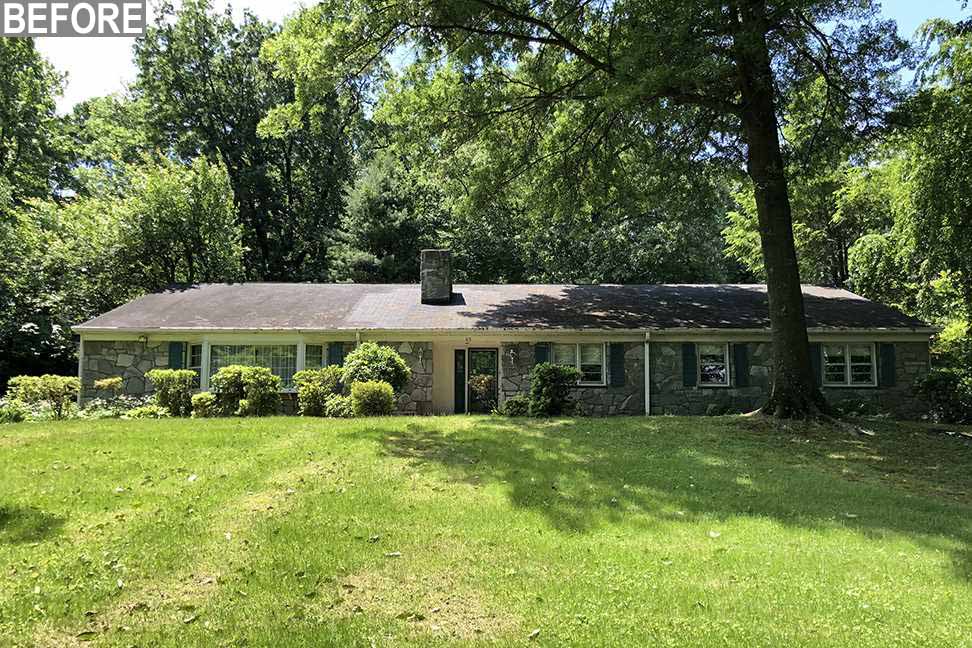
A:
(517, 360)
(670, 396)
(129, 359)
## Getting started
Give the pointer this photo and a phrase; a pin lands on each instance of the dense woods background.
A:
(236, 156)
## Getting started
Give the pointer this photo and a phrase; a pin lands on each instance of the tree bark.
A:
(795, 393)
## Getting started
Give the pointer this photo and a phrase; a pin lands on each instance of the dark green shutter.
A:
(690, 369)
(617, 364)
(887, 376)
(815, 363)
(740, 360)
(335, 353)
(176, 354)
(460, 381)
(541, 352)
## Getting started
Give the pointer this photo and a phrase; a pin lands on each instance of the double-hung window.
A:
(314, 356)
(587, 358)
(280, 359)
(849, 365)
(713, 365)
(194, 363)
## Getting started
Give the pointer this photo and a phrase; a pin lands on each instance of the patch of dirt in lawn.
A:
(433, 603)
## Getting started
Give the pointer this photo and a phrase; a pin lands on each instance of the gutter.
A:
(647, 373)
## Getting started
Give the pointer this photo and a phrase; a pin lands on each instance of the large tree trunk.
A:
(795, 393)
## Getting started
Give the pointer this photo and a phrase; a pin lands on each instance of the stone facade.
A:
(130, 360)
(670, 396)
(517, 360)
(416, 398)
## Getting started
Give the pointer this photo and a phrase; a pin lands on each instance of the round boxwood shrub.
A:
(151, 411)
(338, 406)
(550, 387)
(372, 362)
(315, 387)
(246, 391)
(372, 398)
(518, 405)
(204, 405)
(173, 389)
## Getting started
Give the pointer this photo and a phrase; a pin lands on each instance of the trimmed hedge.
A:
(246, 391)
(57, 392)
(372, 398)
(371, 362)
(315, 387)
(173, 389)
(550, 387)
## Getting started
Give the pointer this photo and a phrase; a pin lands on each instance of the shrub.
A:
(518, 405)
(372, 398)
(113, 384)
(550, 387)
(483, 389)
(114, 407)
(204, 405)
(13, 411)
(57, 392)
(173, 389)
(315, 387)
(371, 362)
(246, 391)
(338, 406)
(151, 411)
(948, 393)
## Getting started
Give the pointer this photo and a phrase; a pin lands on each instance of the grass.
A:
(299, 532)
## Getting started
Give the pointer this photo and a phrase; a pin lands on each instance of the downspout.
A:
(647, 373)
(80, 370)
(357, 338)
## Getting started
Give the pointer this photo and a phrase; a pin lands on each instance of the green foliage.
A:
(56, 392)
(179, 226)
(13, 411)
(206, 91)
(372, 398)
(151, 411)
(948, 393)
(113, 384)
(315, 387)
(246, 391)
(204, 405)
(173, 389)
(518, 405)
(550, 387)
(373, 362)
(338, 406)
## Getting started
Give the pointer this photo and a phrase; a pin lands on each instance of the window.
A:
(314, 357)
(713, 365)
(849, 365)
(280, 359)
(195, 361)
(586, 358)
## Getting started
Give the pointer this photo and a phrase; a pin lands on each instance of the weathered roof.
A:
(319, 307)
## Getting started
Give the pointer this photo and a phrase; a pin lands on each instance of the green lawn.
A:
(668, 531)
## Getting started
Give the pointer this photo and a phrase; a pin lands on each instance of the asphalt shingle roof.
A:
(313, 307)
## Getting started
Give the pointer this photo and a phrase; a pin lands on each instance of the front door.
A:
(483, 380)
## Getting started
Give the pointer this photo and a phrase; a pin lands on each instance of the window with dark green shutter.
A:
(887, 375)
(335, 353)
(541, 352)
(177, 354)
(617, 364)
(690, 369)
(740, 361)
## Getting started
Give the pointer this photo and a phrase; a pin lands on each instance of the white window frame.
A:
(698, 365)
(848, 382)
(207, 357)
(577, 361)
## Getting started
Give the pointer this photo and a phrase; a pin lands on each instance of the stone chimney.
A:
(436, 276)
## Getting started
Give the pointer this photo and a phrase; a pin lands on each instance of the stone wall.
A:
(670, 396)
(416, 398)
(130, 360)
(517, 360)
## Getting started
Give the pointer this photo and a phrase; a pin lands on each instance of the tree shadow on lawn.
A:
(23, 524)
(583, 473)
